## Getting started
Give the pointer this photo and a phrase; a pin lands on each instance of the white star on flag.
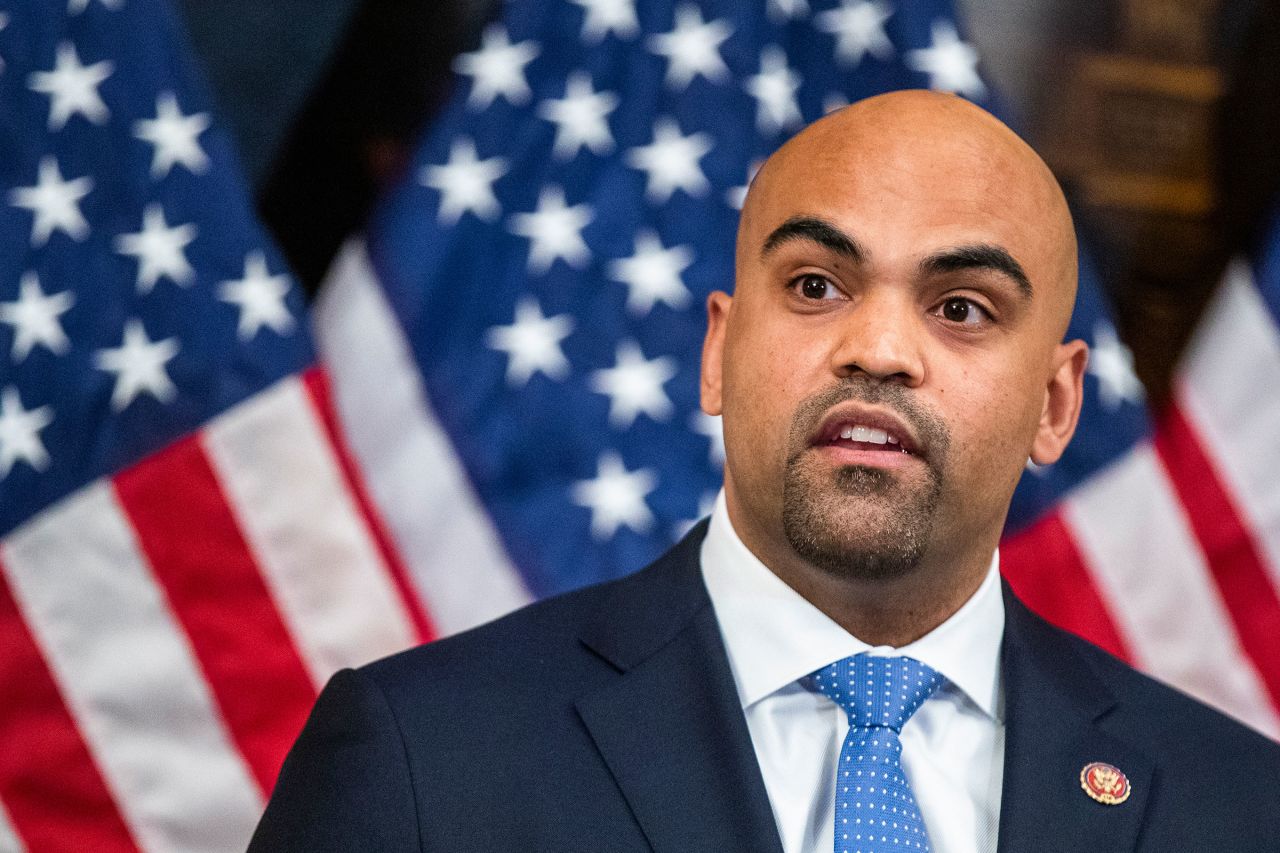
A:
(4, 22)
(159, 249)
(858, 26)
(580, 118)
(554, 231)
(774, 89)
(737, 196)
(692, 48)
(465, 183)
(139, 366)
(616, 497)
(952, 64)
(706, 504)
(260, 298)
(608, 16)
(55, 203)
(20, 433)
(34, 317)
(75, 7)
(671, 161)
(652, 274)
(532, 343)
(713, 428)
(497, 68)
(634, 385)
(784, 10)
(174, 137)
(1111, 362)
(72, 87)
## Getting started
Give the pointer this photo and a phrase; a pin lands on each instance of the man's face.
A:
(884, 367)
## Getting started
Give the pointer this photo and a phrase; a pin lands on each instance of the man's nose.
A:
(881, 337)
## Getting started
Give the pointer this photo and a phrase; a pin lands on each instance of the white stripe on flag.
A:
(1151, 570)
(277, 469)
(1234, 356)
(129, 677)
(9, 841)
(414, 475)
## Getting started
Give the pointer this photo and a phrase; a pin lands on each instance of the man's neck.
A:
(885, 611)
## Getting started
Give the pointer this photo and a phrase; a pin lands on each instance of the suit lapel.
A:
(670, 727)
(1055, 705)
(672, 733)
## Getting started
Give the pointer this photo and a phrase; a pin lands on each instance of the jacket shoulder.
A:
(545, 650)
(517, 639)
(1167, 723)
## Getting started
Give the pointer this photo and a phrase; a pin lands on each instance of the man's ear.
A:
(1063, 397)
(718, 304)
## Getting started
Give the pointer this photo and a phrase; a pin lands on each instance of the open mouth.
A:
(858, 428)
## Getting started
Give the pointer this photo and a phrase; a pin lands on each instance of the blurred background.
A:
(262, 422)
(1158, 116)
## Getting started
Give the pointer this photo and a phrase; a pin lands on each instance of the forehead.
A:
(906, 191)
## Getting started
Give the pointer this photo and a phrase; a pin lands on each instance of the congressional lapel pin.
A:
(1105, 783)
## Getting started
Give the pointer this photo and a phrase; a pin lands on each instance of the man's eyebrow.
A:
(979, 256)
(814, 230)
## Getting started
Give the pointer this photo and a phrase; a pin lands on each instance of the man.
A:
(831, 662)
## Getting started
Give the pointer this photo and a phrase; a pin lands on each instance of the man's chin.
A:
(857, 553)
(858, 522)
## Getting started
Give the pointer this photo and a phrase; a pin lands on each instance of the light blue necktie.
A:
(875, 808)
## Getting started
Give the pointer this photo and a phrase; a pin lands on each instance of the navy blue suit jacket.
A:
(607, 720)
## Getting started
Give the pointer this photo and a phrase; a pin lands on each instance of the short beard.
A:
(813, 500)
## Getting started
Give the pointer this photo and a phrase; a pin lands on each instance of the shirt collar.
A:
(774, 636)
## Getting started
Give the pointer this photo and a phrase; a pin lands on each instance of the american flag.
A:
(533, 290)
(537, 283)
(186, 552)
(542, 274)
(1170, 558)
(188, 548)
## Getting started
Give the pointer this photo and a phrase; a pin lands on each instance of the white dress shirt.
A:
(952, 747)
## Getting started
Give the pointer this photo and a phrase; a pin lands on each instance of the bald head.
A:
(925, 150)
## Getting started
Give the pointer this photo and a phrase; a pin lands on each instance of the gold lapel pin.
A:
(1105, 783)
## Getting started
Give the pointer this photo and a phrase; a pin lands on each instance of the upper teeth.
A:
(867, 434)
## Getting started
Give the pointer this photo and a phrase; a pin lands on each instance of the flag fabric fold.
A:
(186, 551)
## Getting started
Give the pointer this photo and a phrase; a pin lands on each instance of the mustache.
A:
(932, 429)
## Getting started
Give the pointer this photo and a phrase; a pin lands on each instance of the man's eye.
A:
(815, 287)
(958, 309)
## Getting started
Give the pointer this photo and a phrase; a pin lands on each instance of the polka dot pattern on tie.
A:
(875, 809)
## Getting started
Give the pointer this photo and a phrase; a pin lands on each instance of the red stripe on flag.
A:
(1044, 567)
(198, 553)
(1233, 557)
(55, 794)
(317, 385)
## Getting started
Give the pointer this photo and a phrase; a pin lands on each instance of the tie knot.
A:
(877, 691)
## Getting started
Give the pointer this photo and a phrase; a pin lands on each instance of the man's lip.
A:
(859, 414)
